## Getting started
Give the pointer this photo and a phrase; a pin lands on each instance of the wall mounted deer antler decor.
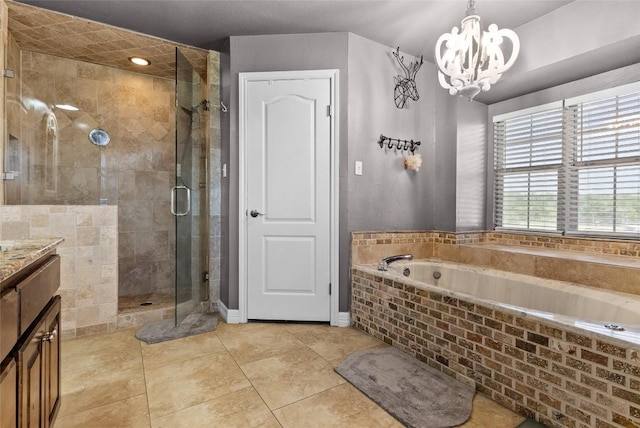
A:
(406, 86)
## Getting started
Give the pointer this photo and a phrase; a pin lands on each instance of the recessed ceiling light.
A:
(67, 107)
(139, 61)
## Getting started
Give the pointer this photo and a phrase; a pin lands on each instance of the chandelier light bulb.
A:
(469, 59)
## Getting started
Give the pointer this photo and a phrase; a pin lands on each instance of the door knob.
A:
(255, 213)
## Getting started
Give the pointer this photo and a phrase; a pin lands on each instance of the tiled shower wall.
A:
(138, 165)
(135, 171)
(89, 253)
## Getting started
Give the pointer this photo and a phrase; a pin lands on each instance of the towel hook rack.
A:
(398, 144)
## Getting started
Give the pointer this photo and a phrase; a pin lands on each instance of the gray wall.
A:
(386, 197)
(444, 179)
(279, 53)
(225, 148)
(450, 192)
(471, 161)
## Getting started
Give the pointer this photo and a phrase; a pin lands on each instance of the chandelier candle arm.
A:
(470, 60)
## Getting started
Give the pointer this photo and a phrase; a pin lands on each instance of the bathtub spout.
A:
(384, 263)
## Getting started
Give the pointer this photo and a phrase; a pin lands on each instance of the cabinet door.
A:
(51, 370)
(39, 367)
(30, 366)
(8, 398)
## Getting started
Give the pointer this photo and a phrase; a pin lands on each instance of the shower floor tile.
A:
(127, 304)
(233, 377)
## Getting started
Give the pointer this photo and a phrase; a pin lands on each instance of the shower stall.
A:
(81, 133)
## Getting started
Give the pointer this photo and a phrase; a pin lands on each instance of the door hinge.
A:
(329, 289)
(330, 110)
(205, 276)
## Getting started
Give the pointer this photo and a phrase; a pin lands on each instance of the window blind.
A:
(528, 170)
(604, 135)
(572, 169)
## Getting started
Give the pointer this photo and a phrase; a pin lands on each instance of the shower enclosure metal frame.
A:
(189, 195)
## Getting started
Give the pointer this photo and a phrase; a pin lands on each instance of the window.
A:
(571, 167)
(528, 168)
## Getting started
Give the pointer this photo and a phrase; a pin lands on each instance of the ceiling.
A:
(412, 25)
(40, 30)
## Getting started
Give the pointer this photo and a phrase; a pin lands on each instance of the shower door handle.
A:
(174, 190)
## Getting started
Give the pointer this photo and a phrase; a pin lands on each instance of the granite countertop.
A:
(16, 255)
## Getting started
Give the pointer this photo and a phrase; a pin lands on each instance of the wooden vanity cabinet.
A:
(39, 371)
(30, 365)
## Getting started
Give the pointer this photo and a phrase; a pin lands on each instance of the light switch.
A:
(358, 168)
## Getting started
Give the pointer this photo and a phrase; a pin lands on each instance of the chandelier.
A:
(471, 60)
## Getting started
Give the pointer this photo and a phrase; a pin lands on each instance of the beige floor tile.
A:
(334, 343)
(196, 381)
(129, 413)
(225, 329)
(95, 386)
(176, 386)
(99, 349)
(285, 378)
(172, 351)
(342, 405)
(259, 342)
(377, 418)
(488, 413)
(241, 409)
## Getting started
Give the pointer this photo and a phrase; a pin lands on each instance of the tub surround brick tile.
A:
(561, 377)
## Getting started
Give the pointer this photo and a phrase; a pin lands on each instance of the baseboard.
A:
(344, 319)
(231, 316)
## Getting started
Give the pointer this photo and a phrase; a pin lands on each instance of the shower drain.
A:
(146, 303)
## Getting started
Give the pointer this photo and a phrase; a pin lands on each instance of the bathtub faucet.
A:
(384, 263)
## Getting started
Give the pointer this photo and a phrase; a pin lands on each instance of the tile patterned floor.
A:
(246, 375)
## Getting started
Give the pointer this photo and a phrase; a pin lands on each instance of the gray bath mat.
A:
(161, 331)
(414, 393)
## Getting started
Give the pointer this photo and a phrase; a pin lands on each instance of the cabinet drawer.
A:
(8, 321)
(37, 289)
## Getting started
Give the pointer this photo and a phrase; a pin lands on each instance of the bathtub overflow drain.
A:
(406, 271)
(437, 275)
(615, 327)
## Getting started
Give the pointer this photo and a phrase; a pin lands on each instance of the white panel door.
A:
(288, 139)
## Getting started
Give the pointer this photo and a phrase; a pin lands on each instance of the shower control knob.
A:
(255, 213)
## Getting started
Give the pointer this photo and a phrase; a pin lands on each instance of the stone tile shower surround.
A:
(137, 111)
(89, 259)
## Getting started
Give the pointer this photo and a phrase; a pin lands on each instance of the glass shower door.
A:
(188, 196)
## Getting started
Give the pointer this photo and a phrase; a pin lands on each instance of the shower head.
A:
(194, 108)
(99, 137)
